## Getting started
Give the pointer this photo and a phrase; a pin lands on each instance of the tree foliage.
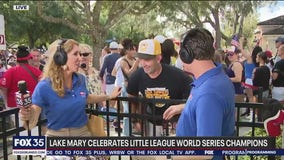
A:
(93, 22)
(93, 18)
(137, 27)
(26, 27)
(218, 14)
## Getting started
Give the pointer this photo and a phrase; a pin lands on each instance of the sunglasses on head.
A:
(84, 54)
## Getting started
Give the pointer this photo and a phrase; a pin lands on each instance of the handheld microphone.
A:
(23, 97)
(83, 65)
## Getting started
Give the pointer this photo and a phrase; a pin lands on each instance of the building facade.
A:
(267, 32)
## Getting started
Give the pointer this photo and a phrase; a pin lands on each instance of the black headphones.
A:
(186, 52)
(60, 56)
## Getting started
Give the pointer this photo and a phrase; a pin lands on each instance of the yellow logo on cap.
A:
(150, 47)
(144, 47)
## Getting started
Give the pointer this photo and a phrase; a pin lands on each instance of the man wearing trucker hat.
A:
(156, 80)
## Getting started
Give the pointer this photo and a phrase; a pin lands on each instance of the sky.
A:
(269, 12)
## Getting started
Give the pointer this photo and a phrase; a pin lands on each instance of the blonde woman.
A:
(91, 73)
(62, 93)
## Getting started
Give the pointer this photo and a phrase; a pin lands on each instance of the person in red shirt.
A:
(22, 71)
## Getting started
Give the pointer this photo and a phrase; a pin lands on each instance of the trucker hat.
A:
(148, 49)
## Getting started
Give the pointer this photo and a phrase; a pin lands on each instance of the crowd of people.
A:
(62, 81)
(253, 70)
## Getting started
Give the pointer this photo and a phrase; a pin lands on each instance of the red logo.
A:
(82, 94)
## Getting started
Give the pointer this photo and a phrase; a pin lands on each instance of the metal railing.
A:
(143, 116)
(7, 131)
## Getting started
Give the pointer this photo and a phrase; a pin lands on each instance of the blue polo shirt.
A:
(63, 112)
(209, 110)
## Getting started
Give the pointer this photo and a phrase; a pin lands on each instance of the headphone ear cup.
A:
(60, 56)
(186, 55)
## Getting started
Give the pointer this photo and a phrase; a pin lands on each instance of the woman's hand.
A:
(25, 113)
(136, 63)
(30, 114)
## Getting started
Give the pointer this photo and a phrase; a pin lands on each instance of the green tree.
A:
(249, 25)
(137, 27)
(26, 27)
(216, 13)
(93, 18)
(194, 14)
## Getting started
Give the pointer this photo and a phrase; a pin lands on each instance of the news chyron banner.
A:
(155, 146)
(2, 33)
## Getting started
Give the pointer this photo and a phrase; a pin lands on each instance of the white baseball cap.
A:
(113, 45)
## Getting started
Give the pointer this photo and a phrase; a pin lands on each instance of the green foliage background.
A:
(94, 22)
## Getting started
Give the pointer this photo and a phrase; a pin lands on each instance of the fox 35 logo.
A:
(29, 142)
(208, 152)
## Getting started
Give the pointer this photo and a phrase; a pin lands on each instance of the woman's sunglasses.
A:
(230, 53)
(84, 54)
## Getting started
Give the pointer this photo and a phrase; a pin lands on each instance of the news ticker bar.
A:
(160, 142)
(82, 146)
(150, 152)
(51, 143)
